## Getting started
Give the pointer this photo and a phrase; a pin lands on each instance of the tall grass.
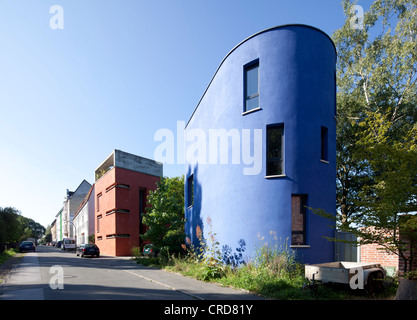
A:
(273, 271)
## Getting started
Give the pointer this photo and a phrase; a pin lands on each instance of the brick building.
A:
(122, 184)
(376, 253)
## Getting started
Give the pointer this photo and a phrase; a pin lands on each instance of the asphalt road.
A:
(52, 274)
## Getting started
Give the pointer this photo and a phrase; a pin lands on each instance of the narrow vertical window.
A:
(142, 204)
(298, 219)
(98, 202)
(324, 144)
(251, 78)
(98, 223)
(190, 191)
(275, 150)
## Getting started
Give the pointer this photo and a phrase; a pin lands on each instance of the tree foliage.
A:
(15, 228)
(377, 116)
(164, 214)
(376, 76)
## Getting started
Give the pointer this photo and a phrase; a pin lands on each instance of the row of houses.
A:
(109, 211)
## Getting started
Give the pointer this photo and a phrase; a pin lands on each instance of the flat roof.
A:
(121, 159)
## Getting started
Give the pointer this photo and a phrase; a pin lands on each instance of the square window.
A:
(251, 78)
(275, 150)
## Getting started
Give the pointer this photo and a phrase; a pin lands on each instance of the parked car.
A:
(59, 244)
(88, 249)
(68, 244)
(149, 250)
(26, 246)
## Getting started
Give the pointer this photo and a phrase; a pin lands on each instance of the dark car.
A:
(149, 250)
(88, 249)
(59, 244)
(27, 246)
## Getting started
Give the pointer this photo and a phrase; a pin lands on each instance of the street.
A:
(52, 274)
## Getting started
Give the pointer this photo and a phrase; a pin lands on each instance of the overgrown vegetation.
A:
(7, 254)
(273, 273)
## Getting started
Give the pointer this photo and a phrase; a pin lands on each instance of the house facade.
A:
(122, 184)
(261, 146)
(58, 226)
(84, 219)
(71, 203)
(53, 231)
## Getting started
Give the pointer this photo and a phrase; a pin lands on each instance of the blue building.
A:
(261, 146)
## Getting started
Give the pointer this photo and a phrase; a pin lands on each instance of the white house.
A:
(72, 201)
(58, 226)
(83, 221)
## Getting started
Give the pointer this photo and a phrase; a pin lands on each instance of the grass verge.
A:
(273, 274)
(6, 255)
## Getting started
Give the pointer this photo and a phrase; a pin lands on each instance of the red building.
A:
(122, 184)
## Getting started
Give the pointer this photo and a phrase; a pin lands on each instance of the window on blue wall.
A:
(251, 86)
(190, 191)
(298, 219)
(275, 150)
(324, 144)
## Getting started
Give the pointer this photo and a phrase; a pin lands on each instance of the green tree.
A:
(376, 75)
(48, 235)
(9, 225)
(14, 227)
(393, 191)
(376, 130)
(164, 215)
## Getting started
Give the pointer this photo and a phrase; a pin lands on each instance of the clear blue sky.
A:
(116, 73)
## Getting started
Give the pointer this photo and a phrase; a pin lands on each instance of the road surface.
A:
(52, 274)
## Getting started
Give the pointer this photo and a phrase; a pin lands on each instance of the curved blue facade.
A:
(256, 161)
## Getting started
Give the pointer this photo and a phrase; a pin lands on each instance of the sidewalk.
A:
(196, 289)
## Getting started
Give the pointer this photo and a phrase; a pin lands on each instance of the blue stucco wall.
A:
(297, 89)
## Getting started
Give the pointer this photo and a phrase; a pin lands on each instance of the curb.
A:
(164, 285)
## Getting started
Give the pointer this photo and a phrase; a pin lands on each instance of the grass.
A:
(7, 254)
(274, 273)
(266, 283)
(4, 265)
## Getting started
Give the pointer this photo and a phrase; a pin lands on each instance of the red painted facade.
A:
(120, 195)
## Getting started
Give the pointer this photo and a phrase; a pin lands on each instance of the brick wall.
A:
(376, 253)
(401, 262)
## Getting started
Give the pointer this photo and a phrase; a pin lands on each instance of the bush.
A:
(136, 252)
